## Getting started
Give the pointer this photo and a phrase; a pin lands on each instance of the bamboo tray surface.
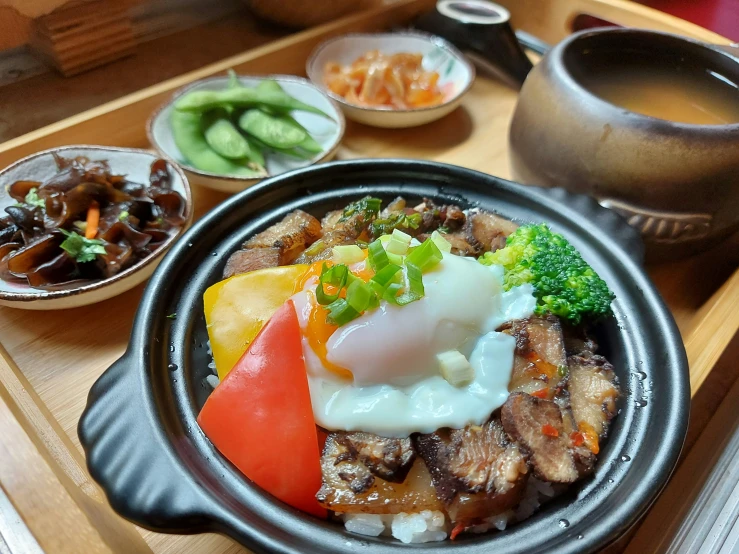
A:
(48, 361)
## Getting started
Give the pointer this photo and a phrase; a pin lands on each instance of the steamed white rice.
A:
(425, 526)
(428, 526)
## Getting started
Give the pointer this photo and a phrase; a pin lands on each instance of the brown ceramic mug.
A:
(678, 183)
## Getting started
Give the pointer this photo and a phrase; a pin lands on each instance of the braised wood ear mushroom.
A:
(84, 223)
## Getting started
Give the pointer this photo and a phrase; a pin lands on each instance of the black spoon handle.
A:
(483, 31)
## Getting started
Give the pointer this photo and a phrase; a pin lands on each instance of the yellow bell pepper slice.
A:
(237, 308)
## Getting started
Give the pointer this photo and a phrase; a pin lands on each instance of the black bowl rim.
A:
(182, 504)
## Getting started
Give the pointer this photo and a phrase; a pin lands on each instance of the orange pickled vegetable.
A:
(390, 80)
(93, 220)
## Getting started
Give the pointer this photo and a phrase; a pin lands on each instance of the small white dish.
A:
(328, 133)
(133, 163)
(455, 72)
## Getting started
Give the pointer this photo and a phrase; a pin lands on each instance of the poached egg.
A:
(389, 382)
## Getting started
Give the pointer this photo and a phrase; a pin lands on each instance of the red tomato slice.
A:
(260, 416)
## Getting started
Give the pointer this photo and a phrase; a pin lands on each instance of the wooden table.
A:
(48, 361)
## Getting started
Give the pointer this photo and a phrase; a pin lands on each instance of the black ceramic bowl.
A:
(159, 470)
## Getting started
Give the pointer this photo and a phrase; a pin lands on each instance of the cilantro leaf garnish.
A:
(81, 248)
(33, 199)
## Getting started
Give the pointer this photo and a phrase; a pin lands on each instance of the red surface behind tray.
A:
(720, 16)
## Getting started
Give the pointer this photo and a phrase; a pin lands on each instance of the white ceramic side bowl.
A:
(327, 133)
(454, 71)
(133, 163)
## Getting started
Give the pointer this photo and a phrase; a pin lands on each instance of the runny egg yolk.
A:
(318, 331)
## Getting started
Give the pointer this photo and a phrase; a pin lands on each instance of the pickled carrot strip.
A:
(394, 80)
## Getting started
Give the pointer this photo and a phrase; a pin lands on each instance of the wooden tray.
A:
(48, 361)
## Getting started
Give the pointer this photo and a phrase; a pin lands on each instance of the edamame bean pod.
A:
(256, 149)
(273, 131)
(296, 152)
(233, 79)
(204, 100)
(270, 85)
(189, 138)
(309, 143)
(223, 137)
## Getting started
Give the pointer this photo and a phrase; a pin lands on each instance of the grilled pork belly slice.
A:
(542, 432)
(463, 244)
(539, 362)
(292, 235)
(389, 459)
(477, 471)
(277, 245)
(593, 391)
(470, 235)
(336, 231)
(331, 220)
(349, 486)
(396, 206)
(489, 230)
(243, 261)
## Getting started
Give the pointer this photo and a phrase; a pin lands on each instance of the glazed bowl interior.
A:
(646, 64)
(145, 447)
(133, 163)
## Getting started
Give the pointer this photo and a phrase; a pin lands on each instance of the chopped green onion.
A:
(386, 225)
(315, 248)
(335, 276)
(376, 255)
(425, 256)
(386, 275)
(368, 207)
(390, 294)
(455, 368)
(387, 284)
(395, 259)
(382, 279)
(440, 242)
(360, 295)
(340, 312)
(399, 243)
(414, 291)
(347, 254)
(123, 215)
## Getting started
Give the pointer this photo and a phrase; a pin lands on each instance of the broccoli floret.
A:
(564, 284)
